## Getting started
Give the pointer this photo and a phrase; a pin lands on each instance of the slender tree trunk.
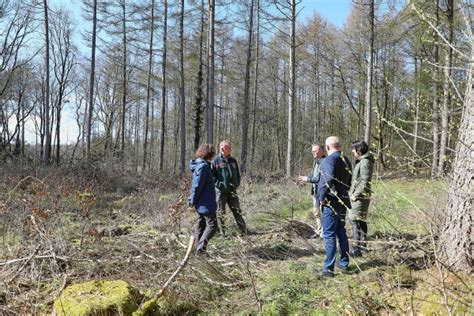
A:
(148, 85)
(435, 113)
(457, 236)
(198, 110)
(124, 78)
(47, 131)
(291, 90)
(210, 76)
(90, 111)
(164, 90)
(255, 84)
(368, 93)
(446, 93)
(245, 118)
(417, 77)
(182, 112)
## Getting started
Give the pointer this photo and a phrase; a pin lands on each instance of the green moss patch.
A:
(98, 298)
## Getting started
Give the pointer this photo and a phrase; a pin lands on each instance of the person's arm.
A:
(197, 185)
(312, 177)
(364, 178)
(326, 178)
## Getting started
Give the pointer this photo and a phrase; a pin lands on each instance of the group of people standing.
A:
(337, 189)
(215, 183)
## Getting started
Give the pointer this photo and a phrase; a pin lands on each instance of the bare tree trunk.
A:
(124, 78)
(182, 112)
(291, 90)
(255, 84)
(446, 93)
(90, 111)
(210, 76)
(47, 148)
(198, 110)
(245, 118)
(148, 84)
(163, 92)
(435, 114)
(368, 93)
(458, 234)
(417, 77)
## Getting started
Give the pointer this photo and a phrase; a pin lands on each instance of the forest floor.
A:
(66, 226)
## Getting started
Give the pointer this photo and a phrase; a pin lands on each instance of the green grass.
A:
(406, 207)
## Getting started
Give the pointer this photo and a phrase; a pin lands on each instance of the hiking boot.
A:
(323, 274)
(343, 269)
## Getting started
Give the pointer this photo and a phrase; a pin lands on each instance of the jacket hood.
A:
(194, 163)
(368, 156)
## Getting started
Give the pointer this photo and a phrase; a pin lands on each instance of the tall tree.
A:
(457, 236)
(124, 76)
(90, 109)
(148, 84)
(245, 118)
(210, 75)
(198, 108)
(435, 105)
(370, 61)
(47, 131)
(182, 100)
(255, 83)
(446, 90)
(163, 87)
(292, 89)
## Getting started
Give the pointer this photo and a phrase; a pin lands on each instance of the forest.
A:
(103, 103)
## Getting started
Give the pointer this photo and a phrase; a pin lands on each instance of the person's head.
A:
(359, 148)
(333, 143)
(317, 151)
(225, 148)
(206, 152)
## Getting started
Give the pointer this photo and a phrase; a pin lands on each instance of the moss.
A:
(171, 305)
(149, 308)
(98, 298)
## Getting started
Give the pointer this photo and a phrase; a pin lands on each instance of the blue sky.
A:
(335, 11)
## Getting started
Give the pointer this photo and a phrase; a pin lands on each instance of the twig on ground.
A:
(178, 270)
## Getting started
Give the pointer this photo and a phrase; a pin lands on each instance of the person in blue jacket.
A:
(333, 198)
(203, 197)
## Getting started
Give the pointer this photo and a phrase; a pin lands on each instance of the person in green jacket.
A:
(359, 194)
(227, 180)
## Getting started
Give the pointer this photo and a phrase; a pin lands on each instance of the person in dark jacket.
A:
(360, 193)
(333, 198)
(227, 180)
(203, 197)
(318, 154)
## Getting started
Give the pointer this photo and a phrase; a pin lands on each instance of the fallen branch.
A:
(178, 270)
(24, 265)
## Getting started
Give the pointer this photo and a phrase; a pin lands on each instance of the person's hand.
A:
(302, 178)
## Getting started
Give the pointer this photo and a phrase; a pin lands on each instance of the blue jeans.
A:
(333, 226)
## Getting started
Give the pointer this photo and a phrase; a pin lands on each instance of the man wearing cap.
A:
(227, 180)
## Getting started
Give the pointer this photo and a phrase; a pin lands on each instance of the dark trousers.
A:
(333, 231)
(233, 201)
(359, 235)
(205, 228)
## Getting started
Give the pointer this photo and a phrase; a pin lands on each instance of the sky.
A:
(335, 11)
